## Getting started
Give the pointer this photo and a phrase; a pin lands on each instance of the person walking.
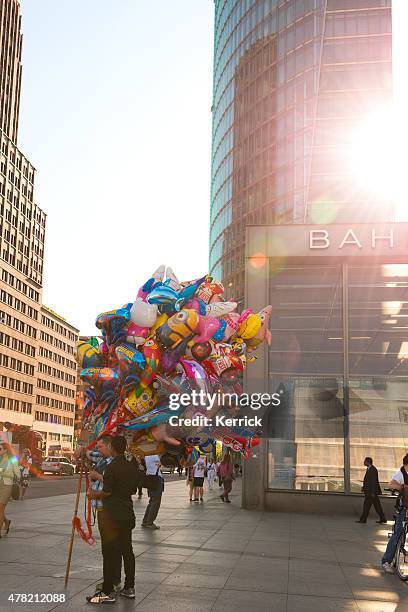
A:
(218, 474)
(226, 472)
(371, 489)
(198, 482)
(211, 474)
(155, 493)
(190, 480)
(25, 471)
(398, 482)
(120, 481)
(9, 474)
(142, 469)
(138, 463)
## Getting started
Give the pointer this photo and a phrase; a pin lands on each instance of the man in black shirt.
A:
(120, 482)
(371, 489)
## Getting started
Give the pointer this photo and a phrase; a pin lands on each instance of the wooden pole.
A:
(71, 544)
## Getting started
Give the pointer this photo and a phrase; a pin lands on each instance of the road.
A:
(48, 486)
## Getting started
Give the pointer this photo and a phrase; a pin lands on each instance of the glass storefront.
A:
(339, 358)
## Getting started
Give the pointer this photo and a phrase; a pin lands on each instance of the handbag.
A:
(150, 481)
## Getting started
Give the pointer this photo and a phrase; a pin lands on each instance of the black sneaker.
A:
(129, 593)
(382, 522)
(101, 598)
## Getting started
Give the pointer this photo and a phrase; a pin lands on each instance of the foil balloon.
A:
(178, 328)
(174, 338)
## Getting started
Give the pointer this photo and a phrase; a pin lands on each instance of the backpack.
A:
(402, 499)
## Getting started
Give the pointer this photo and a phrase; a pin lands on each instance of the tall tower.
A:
(10, 66)
(37, 365)
(292, 81)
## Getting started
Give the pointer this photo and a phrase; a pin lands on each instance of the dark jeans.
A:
(117, 543)
(152, 508)
(393, 541)
(104, 538)
(370, 500)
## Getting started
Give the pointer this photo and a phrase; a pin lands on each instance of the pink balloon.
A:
(207, 326)
(137, 330)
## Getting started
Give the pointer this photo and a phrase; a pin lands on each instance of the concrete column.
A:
(256, 376)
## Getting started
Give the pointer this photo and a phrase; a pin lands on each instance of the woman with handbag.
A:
(9, 478)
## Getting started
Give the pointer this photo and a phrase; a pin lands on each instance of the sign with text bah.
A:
(343, 240)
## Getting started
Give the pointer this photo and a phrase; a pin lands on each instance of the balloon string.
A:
(76, 521)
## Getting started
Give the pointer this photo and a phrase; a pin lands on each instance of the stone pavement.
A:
(209, 556)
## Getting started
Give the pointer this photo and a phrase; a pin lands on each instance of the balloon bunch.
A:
(175, 338)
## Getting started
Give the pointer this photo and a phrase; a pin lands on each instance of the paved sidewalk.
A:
(209, 556)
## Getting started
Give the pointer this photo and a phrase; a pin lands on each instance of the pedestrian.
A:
(211, 474)
(226, 472)
(371, 489)
(142, 469)
(198, 482)
(120, 481)
(190, 480)
(218, 473)
(9, 474)
(100, 458)
(25, 471)
(155, 493)
(398, 482)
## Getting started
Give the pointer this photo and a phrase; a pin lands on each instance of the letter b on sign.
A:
(319, 239)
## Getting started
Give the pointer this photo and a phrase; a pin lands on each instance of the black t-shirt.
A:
(120, 479)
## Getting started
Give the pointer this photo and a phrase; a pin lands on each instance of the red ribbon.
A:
(76, 521)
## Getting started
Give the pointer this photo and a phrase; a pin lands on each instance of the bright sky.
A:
(116, 118)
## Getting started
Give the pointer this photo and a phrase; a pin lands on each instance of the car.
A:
(58, 465)
(167, 470)
(78, 465)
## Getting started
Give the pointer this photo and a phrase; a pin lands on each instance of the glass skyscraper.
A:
(293, 80)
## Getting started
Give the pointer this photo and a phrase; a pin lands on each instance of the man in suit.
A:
(371, 489)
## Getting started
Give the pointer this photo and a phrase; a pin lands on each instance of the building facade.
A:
(338, 359)
(292, 82)
(22, 229)
(37, 368)
(56, 380)
(10, 66)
